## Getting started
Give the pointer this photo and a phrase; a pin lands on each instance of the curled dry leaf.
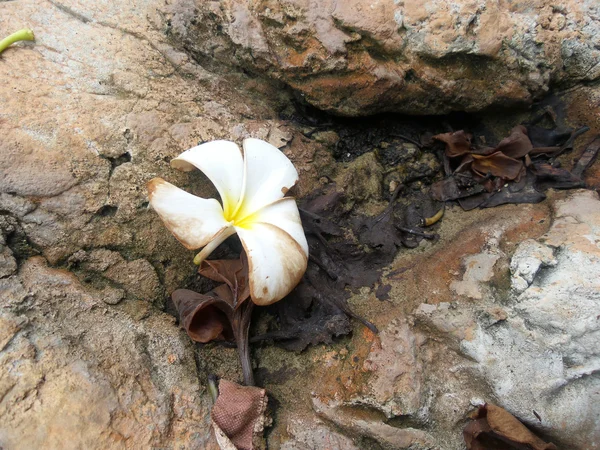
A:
(498, 165)
(200, 316)
(495, 428)
(239, 414)
(512, 172)
(517, 144)
(222, 313)
(457, 143)
(232, 272)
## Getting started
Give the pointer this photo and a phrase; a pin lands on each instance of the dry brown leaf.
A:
(457, 143)
(239, 413)
(495, 428)
(517, 144)
(200, 316)
(232, 272)
(497, 164)
(206, 317)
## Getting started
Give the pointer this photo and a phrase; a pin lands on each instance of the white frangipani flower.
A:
(252, 185)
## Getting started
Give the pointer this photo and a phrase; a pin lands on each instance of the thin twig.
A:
(346, 310)
(416, 232)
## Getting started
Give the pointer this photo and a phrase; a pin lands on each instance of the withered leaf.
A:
(472, 202)
(239, 413)
(498, 165)
(517, 144)
(379, 232)
(495, 428)
(548, 137)
(383, 292)
(201, 316)
(548, 176)
(317, 311)
(465, 164)
(457, 143)
(547, 151)
(232, 272)
(510, 163)
(505, 196)
(453, 188)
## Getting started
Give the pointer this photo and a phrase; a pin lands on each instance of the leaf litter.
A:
(517, 170)
(349, 250)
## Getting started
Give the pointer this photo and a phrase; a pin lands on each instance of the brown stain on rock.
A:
(426, 277)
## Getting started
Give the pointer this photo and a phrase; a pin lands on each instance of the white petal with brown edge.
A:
(276, 261)
(222, 163)
(194, 221)
(283, 213)
(268, 175)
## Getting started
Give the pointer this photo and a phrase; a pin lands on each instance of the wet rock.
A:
(357, 58)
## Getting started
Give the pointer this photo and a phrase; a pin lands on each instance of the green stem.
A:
(22, 35)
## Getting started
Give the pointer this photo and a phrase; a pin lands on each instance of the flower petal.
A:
(268, 175)
(276, 261)
(194, 221)
(282, 213)
(222, 162)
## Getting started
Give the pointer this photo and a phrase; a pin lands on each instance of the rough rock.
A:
(537, 352)
(549, 337)
(531, 351)
(92, 110)
(358, 57)
(388, 436)
(108, 95)
(529, 258)
(306, 436)
(62, 350)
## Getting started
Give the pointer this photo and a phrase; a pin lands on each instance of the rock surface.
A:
(359, 57)
(96, 107)
(531, 350)
(104, 98)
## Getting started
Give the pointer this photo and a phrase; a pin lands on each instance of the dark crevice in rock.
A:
(74, 14)
(358, 136)
(107, 211)
(116, 161)
(18, 241)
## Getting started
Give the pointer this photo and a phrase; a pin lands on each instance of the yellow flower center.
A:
(235, 215)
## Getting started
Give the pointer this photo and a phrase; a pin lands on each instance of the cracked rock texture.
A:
(503, 308)
(533, 351)
(358, 57)
(90, 112)
(543, 354)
